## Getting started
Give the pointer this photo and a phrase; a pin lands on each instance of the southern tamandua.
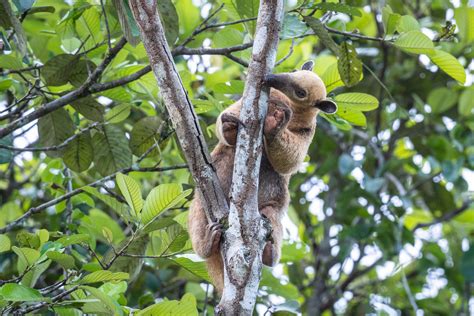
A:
(294, 102)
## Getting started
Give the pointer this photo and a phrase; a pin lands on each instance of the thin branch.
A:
(44, 206)
(446, 216)
(201, 28)
(355, 35)
(55, 147)
(290, 52)
(106, 24)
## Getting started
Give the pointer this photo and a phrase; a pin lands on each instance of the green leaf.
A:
(23, 5)
(5, 154)
(464, 16)
(390, 19)
(118, 114)
(415, 42)
(162, 198)
(89, 108)
(115, 205)
(349, 66)
(170, 240)
(466, 103)
(186, 306)
(335, 120)
(292, 27)
(346, 164)
(442, 99)
(57, 70)
(131, 192)
(245, 9)
(73, 239)
(354, 117)
(339, 7)
(317, 26)
(5, 243)
(145, 133)
(331, 78)
(127, 22)
(111, 151)
(195, 267)
(449, 64)
(103, 276)
(13, 292)
(66, 261)
(169, 18)
(407, 23)
(54, 128)
(108, 302)
(356, 101)
(78, 153)
(27, 257)
(79, 71)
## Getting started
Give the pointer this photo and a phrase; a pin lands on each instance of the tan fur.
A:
(289, 128)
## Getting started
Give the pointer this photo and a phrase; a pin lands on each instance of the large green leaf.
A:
(127, 22)
(195, 267)
(162, 198)
(449, 64)
(170, 20)
(103, 276)
(186, 306)
(131, 191)
(292, 27)
(6, 155)
(78, 153)
(54, 128)
(112, 306)
(144, 135)
(318, 28)
(118, 207)
(442, 99)
(118, 114)
(464, 16)
(80, 71)
(27, 257)
(466, 103)
(13, 292)
(111, 151)
(57, 70)
(170, 240)
(89, 108)
(407, 23)
(65, 260)
(415, 42)
(390, 19)
(356, 101)
(245, 9)
(349, 66)
(73, 239)
(5, 243)
(331, 78)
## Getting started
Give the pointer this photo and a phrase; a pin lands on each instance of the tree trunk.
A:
(245, 238)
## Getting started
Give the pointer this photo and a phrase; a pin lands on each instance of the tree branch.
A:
(245, 238)
(447, 216)
(44, 206)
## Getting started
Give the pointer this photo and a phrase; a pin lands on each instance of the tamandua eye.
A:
(300, 93)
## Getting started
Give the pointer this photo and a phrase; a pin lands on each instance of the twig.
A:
(355, 35)
(200, 28)
(42, 207)
(106, 24)
(55, 147)
(290, 52)
(446, 216)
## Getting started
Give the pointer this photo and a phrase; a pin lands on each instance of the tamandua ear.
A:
(308, 65)
(327, 106)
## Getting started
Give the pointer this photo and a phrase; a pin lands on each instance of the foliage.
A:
(94, 190)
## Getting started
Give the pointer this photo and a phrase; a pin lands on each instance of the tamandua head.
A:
(303, 87)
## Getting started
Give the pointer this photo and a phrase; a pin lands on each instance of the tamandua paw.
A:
(278, 116)
(230, 128)
(212, 239)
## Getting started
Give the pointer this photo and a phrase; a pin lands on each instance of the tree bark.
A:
(245, 237)
(180, 109)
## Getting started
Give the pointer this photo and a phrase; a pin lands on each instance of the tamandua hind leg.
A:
(272, 251)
